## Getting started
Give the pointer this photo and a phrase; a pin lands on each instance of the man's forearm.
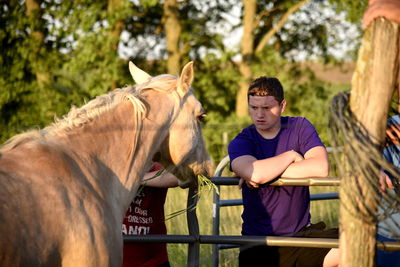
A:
(163, 180)
(268, 169)
(311, 167)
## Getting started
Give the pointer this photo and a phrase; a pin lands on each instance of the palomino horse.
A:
(64, 190)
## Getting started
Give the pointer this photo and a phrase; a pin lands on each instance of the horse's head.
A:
(183, 149)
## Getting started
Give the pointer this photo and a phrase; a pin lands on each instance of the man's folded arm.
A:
(315, 164)
(262, 171)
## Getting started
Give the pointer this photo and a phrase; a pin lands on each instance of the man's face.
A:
(265, 112)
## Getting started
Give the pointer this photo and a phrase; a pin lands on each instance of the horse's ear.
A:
(138, 75)
(186, 78)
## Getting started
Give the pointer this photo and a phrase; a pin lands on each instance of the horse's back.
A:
(44, 220)
(28, 237)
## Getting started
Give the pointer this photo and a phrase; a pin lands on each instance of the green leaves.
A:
(78, 58)
(149, 3)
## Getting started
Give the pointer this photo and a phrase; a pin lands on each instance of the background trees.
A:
(60, 53)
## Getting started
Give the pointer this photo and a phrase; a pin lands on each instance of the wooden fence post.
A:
(372, 89)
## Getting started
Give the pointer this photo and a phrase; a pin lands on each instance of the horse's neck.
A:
(113, 160)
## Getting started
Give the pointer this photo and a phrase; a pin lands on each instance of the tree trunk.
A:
(279, 25)
(173, 31)
(248, 47)
(247, 51)
(115, 6)
(34, 13)
(115, 33)
(372, 88)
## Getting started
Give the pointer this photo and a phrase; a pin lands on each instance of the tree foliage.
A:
(66, 52)
(77, 54)
(353, 9)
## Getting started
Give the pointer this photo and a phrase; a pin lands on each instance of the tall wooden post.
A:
(373, 83)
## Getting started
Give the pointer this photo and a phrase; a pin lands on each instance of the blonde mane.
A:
(77, 117)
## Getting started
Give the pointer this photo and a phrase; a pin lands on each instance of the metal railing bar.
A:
(324, 196)
(388, 246)
(227, 246)
(159, 239)
(221, 166)
(312, 181)
(221, 180)
(230, 202)
(251, 240)
(193, 258)
(272, 241)
(239, 201)
(216, 216)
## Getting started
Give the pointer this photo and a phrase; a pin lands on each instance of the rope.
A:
(361, 157)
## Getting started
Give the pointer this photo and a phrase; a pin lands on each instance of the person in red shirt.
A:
(146, 216)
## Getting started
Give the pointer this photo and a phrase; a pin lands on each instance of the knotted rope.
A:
(361, 156)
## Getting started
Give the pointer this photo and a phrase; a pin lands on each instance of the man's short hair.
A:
(266, 86)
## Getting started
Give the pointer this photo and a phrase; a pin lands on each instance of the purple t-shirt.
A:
(275, 210)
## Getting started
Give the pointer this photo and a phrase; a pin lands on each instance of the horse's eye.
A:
(202, 117)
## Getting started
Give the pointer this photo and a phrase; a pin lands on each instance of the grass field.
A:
(230, 224)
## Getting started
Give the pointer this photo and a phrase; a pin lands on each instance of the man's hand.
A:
(393, 132)
(385, 181)
(297, 157)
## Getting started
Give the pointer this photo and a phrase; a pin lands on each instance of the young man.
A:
(272, 147)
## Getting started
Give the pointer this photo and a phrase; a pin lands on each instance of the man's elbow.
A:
(255, 178)
(323, 170)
